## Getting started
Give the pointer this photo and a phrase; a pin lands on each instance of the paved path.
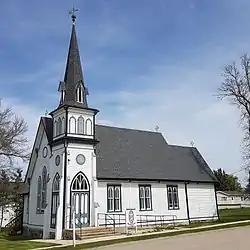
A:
(225, 239)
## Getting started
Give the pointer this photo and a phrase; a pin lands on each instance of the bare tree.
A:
(236, 88)
(13, 142)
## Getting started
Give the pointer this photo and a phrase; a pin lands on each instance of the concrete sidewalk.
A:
(122, 236)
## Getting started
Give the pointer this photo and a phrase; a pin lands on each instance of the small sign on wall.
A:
(131, 220)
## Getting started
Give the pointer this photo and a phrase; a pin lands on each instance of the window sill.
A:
(39, 212)
(111, 212)
(174, 208)
(145, 210)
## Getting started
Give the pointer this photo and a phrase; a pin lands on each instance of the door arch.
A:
(80, 200)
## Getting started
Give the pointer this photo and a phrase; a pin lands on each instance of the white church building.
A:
(98, 172)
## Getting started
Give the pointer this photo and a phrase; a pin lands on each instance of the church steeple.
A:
(73, 91)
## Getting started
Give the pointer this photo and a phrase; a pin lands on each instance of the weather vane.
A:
(192, 143)
(73, 14)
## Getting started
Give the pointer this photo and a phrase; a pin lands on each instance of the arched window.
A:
(44, 187)
(111, 198)
(117, 198)
(89, 127)
(72, 125)
(79, 94)
(56, 183)
(80, 200)
(39, 189)
(63, 125)
(55, 128)
(142, 198)
(55, 200)
(59, 126)
(80, 125)
(80, 183)
(63, 95)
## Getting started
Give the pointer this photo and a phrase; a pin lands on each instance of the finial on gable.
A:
(157, 128)
(192, 143)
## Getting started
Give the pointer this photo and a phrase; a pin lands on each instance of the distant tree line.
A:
(230, 182)
(227, 182)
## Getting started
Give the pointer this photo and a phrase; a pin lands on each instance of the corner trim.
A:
(187, 202)
(65, 171)
(216, 202)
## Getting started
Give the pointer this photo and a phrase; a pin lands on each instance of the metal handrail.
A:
(143, 220)
(115, 219)
(151, 219)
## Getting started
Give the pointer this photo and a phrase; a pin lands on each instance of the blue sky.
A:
(145, 63)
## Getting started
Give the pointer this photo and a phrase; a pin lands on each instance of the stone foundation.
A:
(67, 234)
(52, 235)
(32, 233)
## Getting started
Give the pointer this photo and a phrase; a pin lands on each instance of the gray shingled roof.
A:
(73, 74)
(48, 126)
(134, 154)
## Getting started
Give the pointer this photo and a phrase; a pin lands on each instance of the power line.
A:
(238, 171)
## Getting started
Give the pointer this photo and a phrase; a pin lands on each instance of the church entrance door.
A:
(80, 201)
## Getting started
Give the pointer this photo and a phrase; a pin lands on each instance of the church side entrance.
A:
(80, 201)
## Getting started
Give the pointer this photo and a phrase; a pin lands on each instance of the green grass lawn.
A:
(18, 243)
(234, 214)
(226, 215)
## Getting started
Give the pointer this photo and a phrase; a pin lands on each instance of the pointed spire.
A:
(73, 89)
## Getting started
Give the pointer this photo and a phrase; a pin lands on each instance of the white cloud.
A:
(185, 112)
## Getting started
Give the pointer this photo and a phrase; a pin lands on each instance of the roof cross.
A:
(73, 14)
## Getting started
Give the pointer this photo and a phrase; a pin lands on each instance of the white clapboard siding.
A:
(202, 202)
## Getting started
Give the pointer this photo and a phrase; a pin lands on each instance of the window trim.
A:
(79, 120)
(55, 128)
(114, 186)
(178, 200)
(88, 123)
(72, 119)
(44, 189)
(144, 186)
(39, 192)
(79, 94)
(55, 197)
(59, 126)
